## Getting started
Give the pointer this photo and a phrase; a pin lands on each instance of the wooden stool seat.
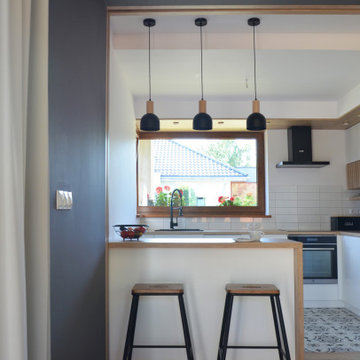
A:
(267, 290)
(161, 289)
(158, 289)
(252, 289)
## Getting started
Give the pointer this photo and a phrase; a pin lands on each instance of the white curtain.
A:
(24, 209)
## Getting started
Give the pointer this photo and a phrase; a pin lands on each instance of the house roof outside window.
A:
(174, 160)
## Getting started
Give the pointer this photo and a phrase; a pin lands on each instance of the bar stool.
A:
(156, 290)
(254, 290)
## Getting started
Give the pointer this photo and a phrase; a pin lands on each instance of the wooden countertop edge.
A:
(266, 244)
(269, 244)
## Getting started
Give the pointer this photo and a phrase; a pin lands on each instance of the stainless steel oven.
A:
(319, 258)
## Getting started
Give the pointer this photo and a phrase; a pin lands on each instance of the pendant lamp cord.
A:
(201, 60)
(149, 69)
(254, 51)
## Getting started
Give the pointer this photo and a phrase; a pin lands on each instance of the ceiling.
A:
(299, 57)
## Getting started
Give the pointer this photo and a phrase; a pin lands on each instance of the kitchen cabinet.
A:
(350, 272)
(353, 175)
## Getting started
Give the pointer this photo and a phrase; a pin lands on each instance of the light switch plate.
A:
(64, 200)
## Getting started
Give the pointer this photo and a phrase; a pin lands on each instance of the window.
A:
(218, 173)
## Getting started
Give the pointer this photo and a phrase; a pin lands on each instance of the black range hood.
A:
(300, 149)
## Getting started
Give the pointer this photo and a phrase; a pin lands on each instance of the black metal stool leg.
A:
(278, 341)
(131, 328)
(224, 337)
(223, 326)
(282, 327)
(189, 352)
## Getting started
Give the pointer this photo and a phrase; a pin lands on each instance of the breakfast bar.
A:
(205, 264)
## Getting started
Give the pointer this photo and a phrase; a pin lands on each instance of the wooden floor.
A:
(332, 356)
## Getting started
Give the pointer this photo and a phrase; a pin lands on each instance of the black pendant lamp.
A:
(202, 121)
(149, 122)
(255, 121)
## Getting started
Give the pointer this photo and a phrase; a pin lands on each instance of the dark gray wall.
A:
(77, 68)
(229, 2)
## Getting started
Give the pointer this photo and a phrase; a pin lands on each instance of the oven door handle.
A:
(317, 249)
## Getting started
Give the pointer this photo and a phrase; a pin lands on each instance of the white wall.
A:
(122, 150)
(327, 145)
(299, 199)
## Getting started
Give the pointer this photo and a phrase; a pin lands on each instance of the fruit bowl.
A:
(130, 232)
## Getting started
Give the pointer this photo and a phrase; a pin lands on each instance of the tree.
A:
(228, 152)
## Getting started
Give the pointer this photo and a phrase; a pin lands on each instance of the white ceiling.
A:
(299, 57)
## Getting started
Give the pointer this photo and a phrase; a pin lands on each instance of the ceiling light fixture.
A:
(255, 121)
(149, 122)
(202, 121)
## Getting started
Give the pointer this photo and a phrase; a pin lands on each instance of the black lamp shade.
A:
(256, 122)
(150, 122)
(202, 121)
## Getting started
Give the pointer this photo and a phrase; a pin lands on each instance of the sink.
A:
(182, 230)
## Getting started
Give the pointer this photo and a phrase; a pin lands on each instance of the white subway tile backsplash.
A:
(308, 196)
(308, 188)
(331, 188)
(293, 208)
(306, 218)
(283, 188)
(308, 210)
(330, 196)
(308, 203)
(309, 226)
(238, 226)
(325, 226)
(201, 226)
(269, 226)
(333, 211)
(219, 226)
(268, 220)
(286, 196)
(286, 210)
(155, 223)
(272, 195)
(246, 220)
(325, 219)
(286, 218)
(286, 203)
(288, 226)
(351, 203)
(330, 203)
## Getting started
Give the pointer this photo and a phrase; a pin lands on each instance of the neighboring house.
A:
(249, 186)
(178, 165)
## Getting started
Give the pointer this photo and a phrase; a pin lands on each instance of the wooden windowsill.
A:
(206, 211)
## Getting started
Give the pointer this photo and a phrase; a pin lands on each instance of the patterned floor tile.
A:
(331, 330)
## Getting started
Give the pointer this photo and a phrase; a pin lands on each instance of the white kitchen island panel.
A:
(204, 271)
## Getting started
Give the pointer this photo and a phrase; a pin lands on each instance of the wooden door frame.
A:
(218, 10)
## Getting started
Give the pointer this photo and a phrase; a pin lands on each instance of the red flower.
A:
(182, 193)
(221, 199)
(232, 198)
(167, 188)
(158, 189)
